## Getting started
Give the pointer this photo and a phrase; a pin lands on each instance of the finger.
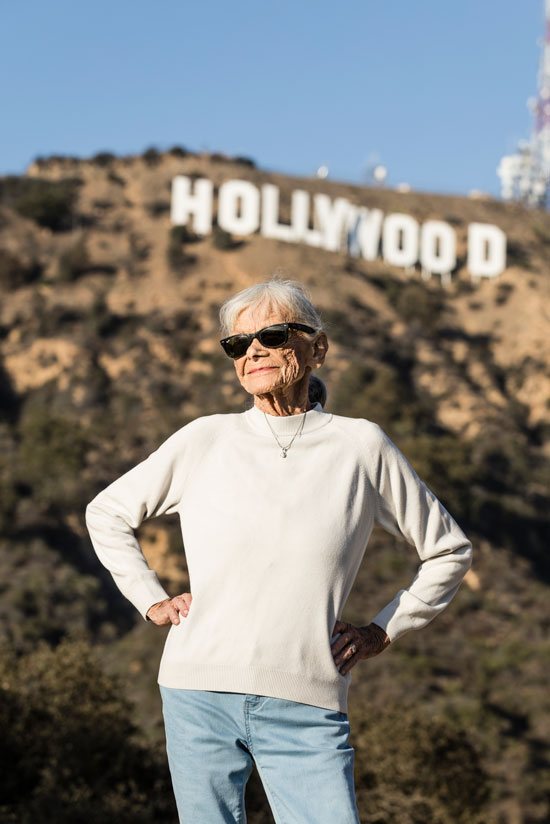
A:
(345, 654)
(173, 613)
(181, 604)
(339, 626)
(341, 642)
(351, 662)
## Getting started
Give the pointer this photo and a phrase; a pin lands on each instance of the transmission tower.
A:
(525, 175)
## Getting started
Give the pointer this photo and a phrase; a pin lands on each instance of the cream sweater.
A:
(273, 546)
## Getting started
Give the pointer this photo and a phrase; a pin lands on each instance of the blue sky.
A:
(436, 91)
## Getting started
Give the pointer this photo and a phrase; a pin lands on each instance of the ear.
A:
(320, 347)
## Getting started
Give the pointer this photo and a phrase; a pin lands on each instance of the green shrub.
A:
(114, 178)
(416, 769)
(152, 156)
(244, 161)
(52, 451)
(43, 597)
(73, 262)
(157, 208)
(102, 204)
(175, 252)
(178, 151)
(140, 249)
(445, 463)
(68, 750)
(14, 273)
(8, 498)
(378, 392)
(222, 239)
(415, 302)
(103, 159)
(182, 234)
(339, 325)
(49, 203)
(517, 255)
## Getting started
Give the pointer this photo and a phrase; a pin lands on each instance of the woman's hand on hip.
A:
(169, 610)
(355, 643)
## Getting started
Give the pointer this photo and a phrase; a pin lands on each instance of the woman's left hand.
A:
(368, 641)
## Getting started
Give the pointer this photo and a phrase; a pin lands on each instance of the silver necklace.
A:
(284, 449)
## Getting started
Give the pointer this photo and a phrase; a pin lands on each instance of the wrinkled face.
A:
(262, 371)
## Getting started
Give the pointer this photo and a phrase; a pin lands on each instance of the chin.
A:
(261, 386)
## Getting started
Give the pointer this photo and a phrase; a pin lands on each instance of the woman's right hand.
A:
(168, 611)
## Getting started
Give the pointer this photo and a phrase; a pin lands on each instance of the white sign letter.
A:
(270, 215)
(364, 230)
(240, 218)
(400, 240)
(331, 217)
(437, 247)
(198, 204)
(486, 250)
(299, 210)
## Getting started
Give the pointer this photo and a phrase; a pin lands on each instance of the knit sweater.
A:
(273, 546)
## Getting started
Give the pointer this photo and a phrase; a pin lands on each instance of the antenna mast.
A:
(525, 175)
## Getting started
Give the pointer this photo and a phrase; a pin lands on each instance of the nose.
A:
(255, 348)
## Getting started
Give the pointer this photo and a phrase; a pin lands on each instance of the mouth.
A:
(261, 369)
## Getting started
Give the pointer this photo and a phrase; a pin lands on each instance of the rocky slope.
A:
(109, 343)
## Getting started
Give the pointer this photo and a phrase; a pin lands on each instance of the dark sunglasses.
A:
(270, 336)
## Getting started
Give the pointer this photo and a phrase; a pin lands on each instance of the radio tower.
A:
(525, 176)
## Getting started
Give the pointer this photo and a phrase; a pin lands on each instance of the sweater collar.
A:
(287, 424)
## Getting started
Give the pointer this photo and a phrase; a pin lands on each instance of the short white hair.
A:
(289, 296)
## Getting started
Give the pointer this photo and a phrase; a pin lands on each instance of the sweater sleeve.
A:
(406, 507)
(151, 488)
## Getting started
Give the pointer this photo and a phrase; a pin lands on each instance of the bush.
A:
(156, 208)
(50, 204)
(414, 302)
(68, 751)
(222, 239)
(178, 151)
(73, 262)
(417, 770)
(42, 597)
(152, 156)
(245, 161)
(116, 179)
(379, 393)
(103, 159)
(102, 205)
(14, 273)
(51, 455)
(445, 463)
(8, 492)
(175, 253)
(517, 255)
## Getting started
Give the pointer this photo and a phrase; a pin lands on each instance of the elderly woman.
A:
(277, 504)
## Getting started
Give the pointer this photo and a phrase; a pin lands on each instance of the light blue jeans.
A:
(302, 754)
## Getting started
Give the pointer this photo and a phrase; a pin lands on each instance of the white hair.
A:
(289, 296)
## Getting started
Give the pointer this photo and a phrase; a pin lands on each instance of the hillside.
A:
(109, 343)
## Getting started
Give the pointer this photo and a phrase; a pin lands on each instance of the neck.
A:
(292, 402)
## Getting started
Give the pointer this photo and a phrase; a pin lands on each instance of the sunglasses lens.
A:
(236, 346)
(273, 337)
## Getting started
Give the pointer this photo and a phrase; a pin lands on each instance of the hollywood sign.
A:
(338, 226)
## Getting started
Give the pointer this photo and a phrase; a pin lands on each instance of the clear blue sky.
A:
(434, 90)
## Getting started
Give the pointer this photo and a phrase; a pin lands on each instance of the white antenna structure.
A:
(525, 175)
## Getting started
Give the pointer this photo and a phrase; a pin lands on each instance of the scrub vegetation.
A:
(102, 359)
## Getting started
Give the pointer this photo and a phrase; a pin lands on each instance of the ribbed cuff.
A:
(146, 591)
(404, 613)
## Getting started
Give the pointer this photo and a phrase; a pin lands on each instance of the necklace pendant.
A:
(283, 453)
